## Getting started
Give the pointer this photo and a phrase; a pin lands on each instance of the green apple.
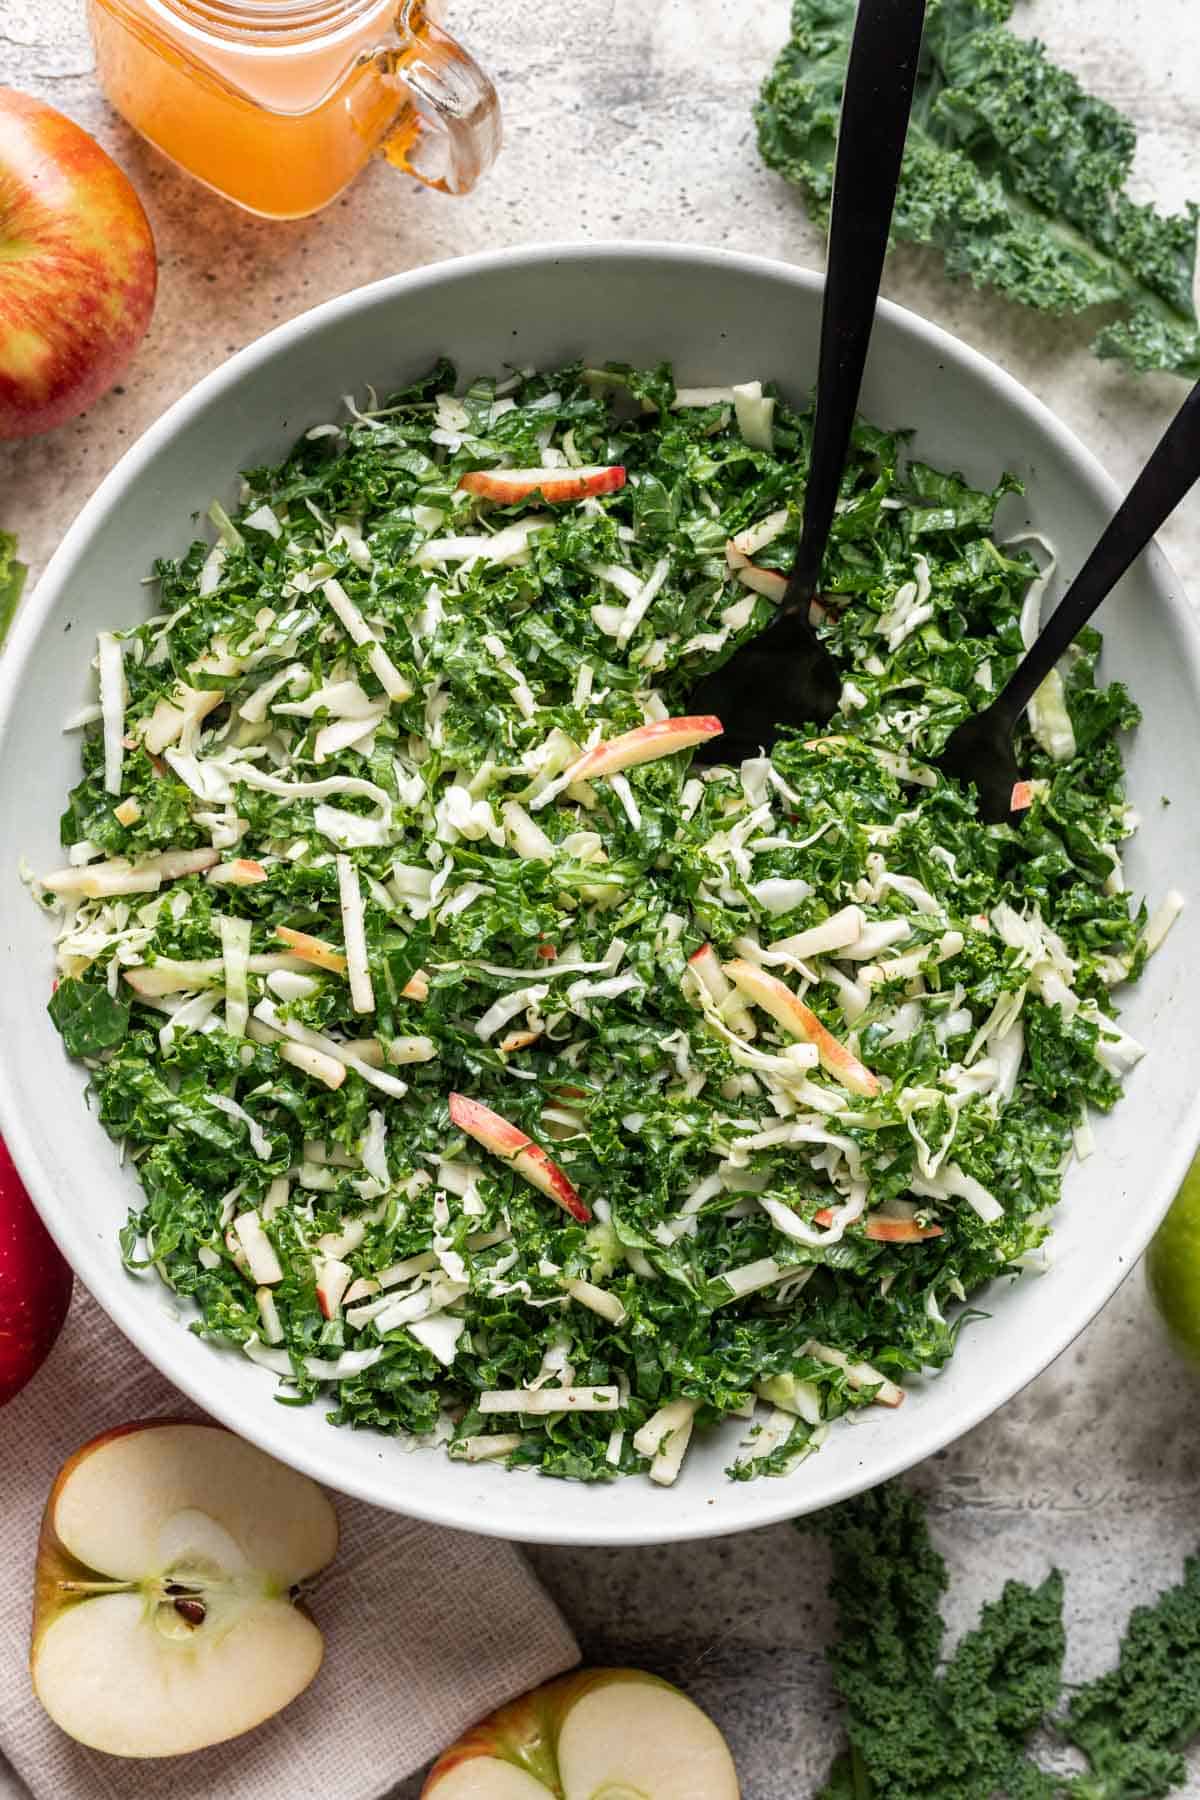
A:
(599, 1734)
(164, 1612)
(1173, 1266)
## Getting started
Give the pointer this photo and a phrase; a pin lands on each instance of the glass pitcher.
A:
(277, 104)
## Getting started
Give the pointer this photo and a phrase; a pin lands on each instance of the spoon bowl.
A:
(783, 676)
(980, 751)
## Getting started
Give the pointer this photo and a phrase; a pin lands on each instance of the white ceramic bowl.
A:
(719, 318)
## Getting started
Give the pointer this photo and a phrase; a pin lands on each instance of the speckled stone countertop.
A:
(627, 119)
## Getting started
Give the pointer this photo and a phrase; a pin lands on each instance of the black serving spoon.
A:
(980, 750)
(786, 676)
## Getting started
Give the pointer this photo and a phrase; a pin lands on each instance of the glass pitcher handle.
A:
(450, 133)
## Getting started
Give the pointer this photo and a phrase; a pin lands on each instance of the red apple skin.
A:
(35, 1285)
(80, 269)
(526, 1731)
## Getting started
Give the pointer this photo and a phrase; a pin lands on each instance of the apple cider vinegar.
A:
(278, 104)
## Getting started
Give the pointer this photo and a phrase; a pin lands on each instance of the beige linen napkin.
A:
(425, 1629)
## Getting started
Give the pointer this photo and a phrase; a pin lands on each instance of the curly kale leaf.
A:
(12, 580)
(917, 1730)
(1011, 170)
(1132, 1723)
(88, 1017)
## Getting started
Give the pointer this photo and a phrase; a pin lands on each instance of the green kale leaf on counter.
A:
(12, 580)
(1012, 170)
(924, 1727)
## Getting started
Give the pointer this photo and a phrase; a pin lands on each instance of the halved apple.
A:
(619, 1734)
(165, 1614)
(554, 485)
(506, 1140)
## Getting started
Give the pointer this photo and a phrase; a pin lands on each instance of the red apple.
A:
(506, 1140)
(79, 268)
(510, 485)
(598, 1732)
(35, 1285)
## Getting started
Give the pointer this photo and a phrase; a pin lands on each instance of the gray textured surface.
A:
(631, 119)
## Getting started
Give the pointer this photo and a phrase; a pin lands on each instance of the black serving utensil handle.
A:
(876, 103)
(1172, 469)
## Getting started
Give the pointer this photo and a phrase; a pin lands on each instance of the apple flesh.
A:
(35, 1285)
(79, 268)
(768, 582)
(164, 1610)
(311, 949)
(599, 1734)
(554, 485)
(506, 1140)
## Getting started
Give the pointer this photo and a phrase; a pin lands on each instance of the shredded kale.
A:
(980, 995)
(1134, 1723)
(88, 1017)
(922, 1727)
(1011, 170)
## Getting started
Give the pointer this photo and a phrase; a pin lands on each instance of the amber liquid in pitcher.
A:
(276, 103)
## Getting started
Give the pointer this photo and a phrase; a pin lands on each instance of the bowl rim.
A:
(776, 1500)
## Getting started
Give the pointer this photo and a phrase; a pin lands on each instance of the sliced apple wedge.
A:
(312, 949)
(508, 1141)
(705, 965)
(900, 1231)
(164, 1613)
(243, 871)
(887, 1231)
(768, 582)
(646, 743)
(787, 1009)
(554, 485)
(611, 1733)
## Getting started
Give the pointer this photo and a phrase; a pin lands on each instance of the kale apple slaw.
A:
(492, 1071)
